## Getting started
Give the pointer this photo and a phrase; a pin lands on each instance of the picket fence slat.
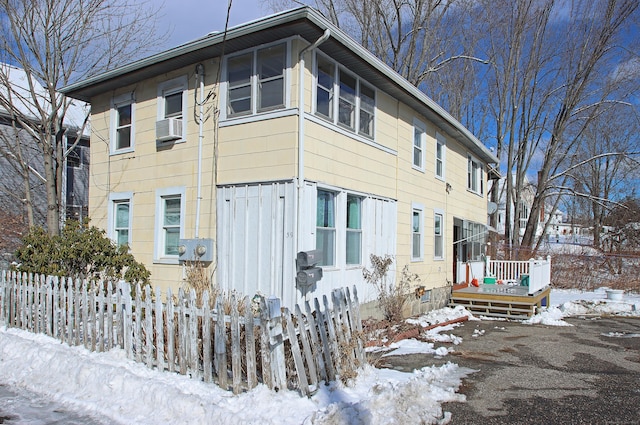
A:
(188, 336)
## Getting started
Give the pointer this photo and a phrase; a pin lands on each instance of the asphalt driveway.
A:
(588, 373)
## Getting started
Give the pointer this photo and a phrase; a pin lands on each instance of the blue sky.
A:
(191, 19)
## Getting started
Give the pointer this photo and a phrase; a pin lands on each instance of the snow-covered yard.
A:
(114, 390)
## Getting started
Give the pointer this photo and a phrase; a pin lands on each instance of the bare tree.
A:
(582, 86)
(606, 166)
(56, 42)
(428, 42)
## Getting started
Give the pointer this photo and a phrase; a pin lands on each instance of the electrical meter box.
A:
(195, 250)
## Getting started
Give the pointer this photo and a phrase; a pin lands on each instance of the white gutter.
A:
(301, 66)
(200, 78)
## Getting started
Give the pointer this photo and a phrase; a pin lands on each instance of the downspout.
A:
(300, 188)
(200, 78)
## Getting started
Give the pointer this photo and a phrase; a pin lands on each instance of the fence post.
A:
(207, 362)
(276, 339)
(220, 345)
(159, 331)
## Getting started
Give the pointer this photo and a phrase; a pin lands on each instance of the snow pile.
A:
(568, 303)
(110, 387)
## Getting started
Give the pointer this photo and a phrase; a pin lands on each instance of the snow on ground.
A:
(113, 389)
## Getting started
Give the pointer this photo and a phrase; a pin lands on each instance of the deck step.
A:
(515, 310)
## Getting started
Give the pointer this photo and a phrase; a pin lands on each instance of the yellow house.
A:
(278, 137)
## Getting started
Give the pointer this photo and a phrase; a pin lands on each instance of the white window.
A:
(326, 226)
(440, 155)
(419, 138)
(438, 239)
(417, 240)
(256, 81)
(170, 213)
(172, 100)
(343, 98)
(475, 175)
(122, 124)
(354, 230)
(120, 218)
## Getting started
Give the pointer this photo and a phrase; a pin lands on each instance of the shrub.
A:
(80, 251)
(391, 298)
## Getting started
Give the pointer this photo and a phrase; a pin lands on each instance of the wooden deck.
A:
(506, 301)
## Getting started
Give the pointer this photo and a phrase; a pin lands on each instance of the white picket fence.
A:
(266, 344)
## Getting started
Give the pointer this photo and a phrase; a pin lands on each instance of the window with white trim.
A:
(440, 155)
(326, 226)
(354, 230)
(438, 238)
(343, 98)
(122, 124)
(120, 218)
(475, 175)
(417, 240)
(419, 138)
(256, 81)
(170, 213)
(172, 100)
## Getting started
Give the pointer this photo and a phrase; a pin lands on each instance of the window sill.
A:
(121, 151)
(416, 168)
(166, 260)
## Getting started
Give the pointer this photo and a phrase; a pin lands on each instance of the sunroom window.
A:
(256, 81)
(344, 99)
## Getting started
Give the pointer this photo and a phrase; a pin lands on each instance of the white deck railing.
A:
(508, 272)
(539, 272)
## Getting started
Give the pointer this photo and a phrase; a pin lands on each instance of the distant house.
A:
(282, 136)
(76, 178)
(556, 226)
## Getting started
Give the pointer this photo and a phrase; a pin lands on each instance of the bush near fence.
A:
(260, 342)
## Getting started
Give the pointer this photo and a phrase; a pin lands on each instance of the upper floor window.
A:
(343, 98)
(417, 240)
(354, 230)
(122, 124)
(440, 155)
(475, 175)
(172, 103)
(256, 81)
(419, 137)
(326, 226)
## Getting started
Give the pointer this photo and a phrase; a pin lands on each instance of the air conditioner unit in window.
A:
(168, 129)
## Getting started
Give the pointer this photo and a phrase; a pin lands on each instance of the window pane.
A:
(271, 61)
(123, 138)
(172, 236)
(325, 74)
(416, 222)
(122, 237)
(347, 87)
(124, 115)
(353, 212)
(416, 246)
(346, 113)
(172, 212)
(122, 215)
(438, 247)
(239, 69)
(272, 94)
(325, 242)
(353, 247)
(173, 105)
(324, 103)
(325, 211)
(240, 100)
(417, 147)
